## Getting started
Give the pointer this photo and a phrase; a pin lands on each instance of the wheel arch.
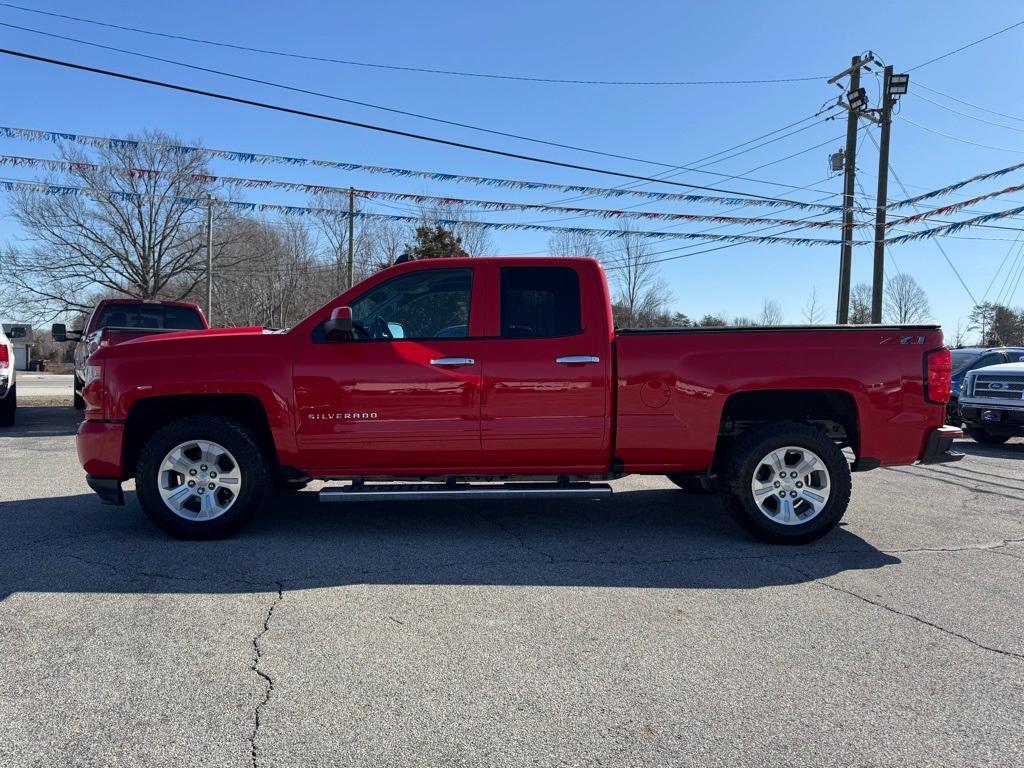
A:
(833, 410)
(147, 415)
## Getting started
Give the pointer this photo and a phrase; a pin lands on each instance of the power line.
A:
(368, 126)
(957, 138)
(965, 47)
(426, 70)
(1000, 267)
(967, 103)
(966, 114)
(406, 113)
(938, 244)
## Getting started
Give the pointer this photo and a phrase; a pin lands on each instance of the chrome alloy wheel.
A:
(199, 480)
(791, 485)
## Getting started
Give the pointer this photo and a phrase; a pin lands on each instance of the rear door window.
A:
(540, 302)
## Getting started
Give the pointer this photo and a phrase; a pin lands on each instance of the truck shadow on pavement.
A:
(639, 538)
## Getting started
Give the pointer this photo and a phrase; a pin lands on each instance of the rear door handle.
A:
(577, 359)
(452, 361)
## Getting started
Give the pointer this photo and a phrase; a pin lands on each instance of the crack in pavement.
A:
(267, 679)
(912, 617)
(510, 532)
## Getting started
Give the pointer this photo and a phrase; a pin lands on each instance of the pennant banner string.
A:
(954, 207)
(953, 187)
(298, 210)
(100, 142)
(493, 205)
(956, 226)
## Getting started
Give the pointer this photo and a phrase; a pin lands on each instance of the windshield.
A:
(963, 358)
(150, 316)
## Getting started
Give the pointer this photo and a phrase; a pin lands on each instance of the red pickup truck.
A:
(114, 321)
(505, 378)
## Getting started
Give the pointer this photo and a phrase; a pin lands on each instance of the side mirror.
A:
(339, 327)
(59, 331)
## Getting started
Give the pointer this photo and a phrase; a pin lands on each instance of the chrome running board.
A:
(464, 491)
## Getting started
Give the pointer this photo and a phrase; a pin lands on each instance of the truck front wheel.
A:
(786, 483)
(202, 477)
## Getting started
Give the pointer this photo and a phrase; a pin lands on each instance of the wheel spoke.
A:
(786, 510)
(180, 479)
(798, 481)
(179, 496)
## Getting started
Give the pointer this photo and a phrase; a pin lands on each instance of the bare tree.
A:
(385, 242)
(332, 220)
(459, 220)
(860, 304)
(905, 300)
(138, 231)
(576, 244)
(640, 292)
(275, 277)
(959, 333)
(813, 310)
(771, 313)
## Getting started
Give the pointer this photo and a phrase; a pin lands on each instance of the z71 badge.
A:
(902, 340)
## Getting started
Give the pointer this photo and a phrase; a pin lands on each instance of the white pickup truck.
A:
(8, 392)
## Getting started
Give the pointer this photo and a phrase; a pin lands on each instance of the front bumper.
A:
(1008, 417)
(99, 445)
(939, 448)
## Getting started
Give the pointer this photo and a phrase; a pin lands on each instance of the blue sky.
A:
(585, 40)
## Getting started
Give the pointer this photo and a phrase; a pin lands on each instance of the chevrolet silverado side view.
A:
(115, 321)
(505, 378)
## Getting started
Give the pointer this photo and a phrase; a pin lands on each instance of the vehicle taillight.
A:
(5, 357)
(938, 376)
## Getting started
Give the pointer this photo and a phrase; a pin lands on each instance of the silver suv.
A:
(8, 392)
(992, 403)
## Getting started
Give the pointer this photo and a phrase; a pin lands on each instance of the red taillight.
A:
(5, 357)
(938, 377)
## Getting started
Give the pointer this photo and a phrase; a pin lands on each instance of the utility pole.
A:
(881, 199)
(351, 236)
(849, 178)
(209, 260)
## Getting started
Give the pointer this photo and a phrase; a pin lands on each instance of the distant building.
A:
(20, 335)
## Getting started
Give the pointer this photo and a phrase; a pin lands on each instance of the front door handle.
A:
(577, 359)
(452, 361)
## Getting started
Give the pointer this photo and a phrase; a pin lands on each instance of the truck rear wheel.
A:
(786, 483)
(202, 477)
(8, 407)
(983, 436)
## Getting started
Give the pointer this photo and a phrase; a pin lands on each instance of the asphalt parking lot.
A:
(647, 630)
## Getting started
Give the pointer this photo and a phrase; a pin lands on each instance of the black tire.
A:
(8, 407)
(692, 483)
(251, 460)
(979, 435)
(77, 401)
(743, 461)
